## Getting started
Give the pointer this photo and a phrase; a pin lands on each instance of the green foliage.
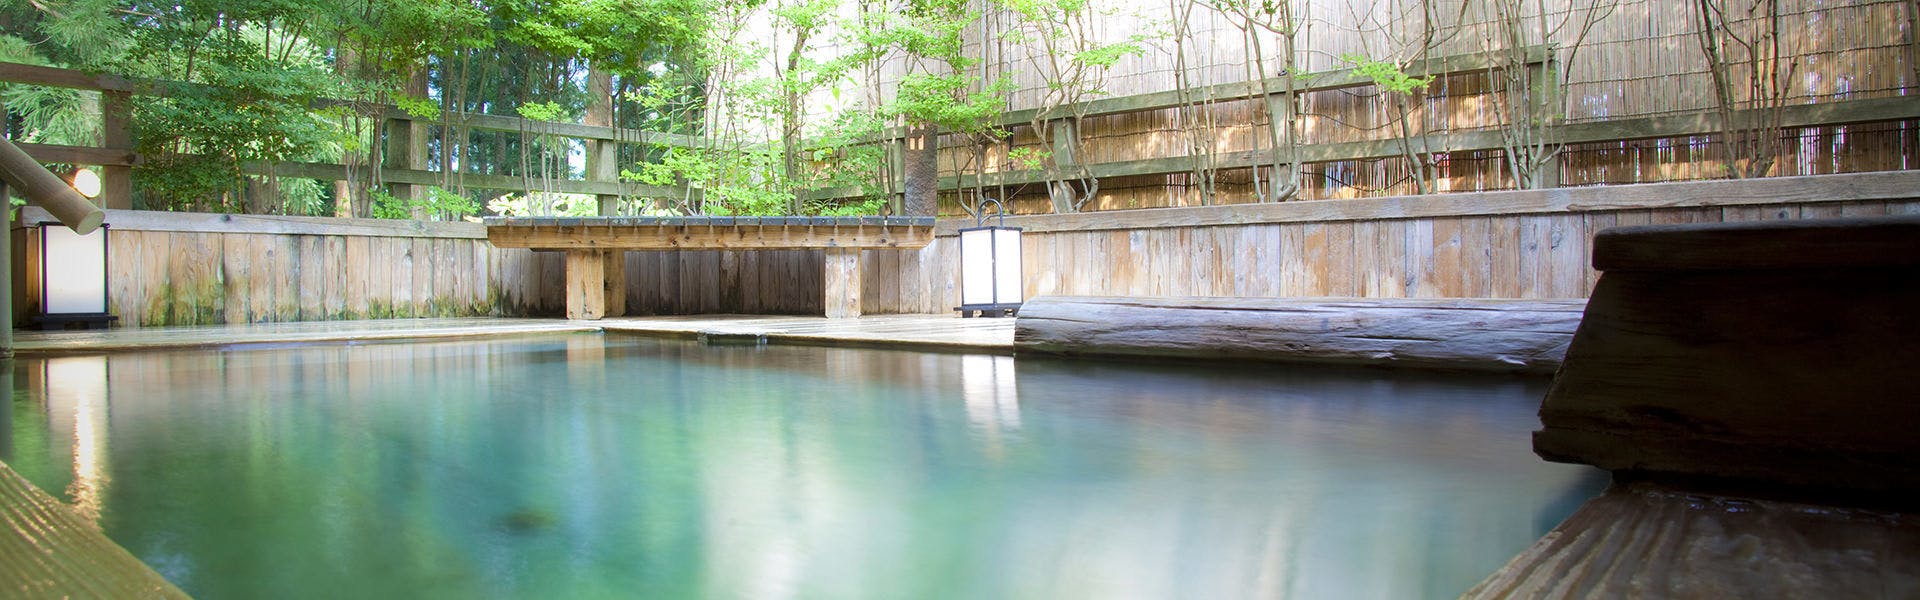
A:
(418, 108)
(1028, 158)
(945, 100)
(1386, 75)
(49, 115)
(542, 111)
(438, 203)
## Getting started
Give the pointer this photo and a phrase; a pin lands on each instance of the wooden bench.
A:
(596, 248)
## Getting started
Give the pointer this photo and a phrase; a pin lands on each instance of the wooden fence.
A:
(184, 268)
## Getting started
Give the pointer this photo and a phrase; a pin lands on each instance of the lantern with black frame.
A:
(990, 277)
(73, 270)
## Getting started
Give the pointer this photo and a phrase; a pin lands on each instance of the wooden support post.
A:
(843, 283)
(602, 155)
(116, 181)
(616, 283)
(586, 284)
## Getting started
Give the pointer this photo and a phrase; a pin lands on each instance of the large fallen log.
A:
(1525, 336)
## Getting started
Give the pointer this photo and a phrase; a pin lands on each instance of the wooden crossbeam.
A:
(716, 234)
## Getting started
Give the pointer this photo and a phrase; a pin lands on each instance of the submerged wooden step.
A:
(1525, 336)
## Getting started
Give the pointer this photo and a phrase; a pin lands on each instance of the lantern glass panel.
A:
(75, 267)
(976, 267)
(1007, 282)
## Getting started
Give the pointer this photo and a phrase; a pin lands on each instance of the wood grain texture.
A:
(1765, 369)
(1521, 253)
(1817, 189)
(841, 285)
(586, 284)
(49, 551)
(1882, 241)
(1641, 541)
(706, 237)
(1467, 335)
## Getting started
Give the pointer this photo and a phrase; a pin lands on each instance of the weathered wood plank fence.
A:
(184, 268)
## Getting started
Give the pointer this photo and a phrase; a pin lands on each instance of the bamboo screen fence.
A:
(1640, 60)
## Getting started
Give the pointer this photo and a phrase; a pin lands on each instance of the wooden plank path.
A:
(924, 332)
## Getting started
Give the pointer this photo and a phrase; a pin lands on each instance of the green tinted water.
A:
(588, 466)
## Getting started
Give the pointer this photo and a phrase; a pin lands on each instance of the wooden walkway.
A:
(923, 332)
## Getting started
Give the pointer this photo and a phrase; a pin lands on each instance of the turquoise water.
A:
(586, 466)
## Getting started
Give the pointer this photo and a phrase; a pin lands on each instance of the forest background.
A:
(834, 106)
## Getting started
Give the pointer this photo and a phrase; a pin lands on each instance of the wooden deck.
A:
(925, 332)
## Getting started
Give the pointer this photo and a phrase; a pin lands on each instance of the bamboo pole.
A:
(41, 187)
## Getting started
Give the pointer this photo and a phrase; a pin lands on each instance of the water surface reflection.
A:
(582, 466)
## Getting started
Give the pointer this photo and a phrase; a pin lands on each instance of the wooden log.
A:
(842, 283)
(1465, 335)
(1760, 353)
(586, 284)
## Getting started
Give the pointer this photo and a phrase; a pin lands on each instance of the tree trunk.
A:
(790, 118)
(922, 170)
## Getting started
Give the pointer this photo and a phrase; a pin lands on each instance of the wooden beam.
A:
(1850, 187)
(1822, 243)
(842, 283)
(156, 220)
(586, 284)
(69, 78)
(707, 237)
(474, 180)
(80, 155)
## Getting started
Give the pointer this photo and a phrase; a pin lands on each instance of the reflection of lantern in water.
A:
(993, 402)
(77, 386)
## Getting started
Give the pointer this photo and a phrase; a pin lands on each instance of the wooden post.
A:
(843, 283)
(586, 284)
(406, 149)
(6, 296)
(616, 283)
(602, 155)
(116, 181)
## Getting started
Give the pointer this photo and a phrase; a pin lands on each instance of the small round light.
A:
(87, 183)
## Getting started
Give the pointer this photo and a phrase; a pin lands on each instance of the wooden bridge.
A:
(595, 248)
